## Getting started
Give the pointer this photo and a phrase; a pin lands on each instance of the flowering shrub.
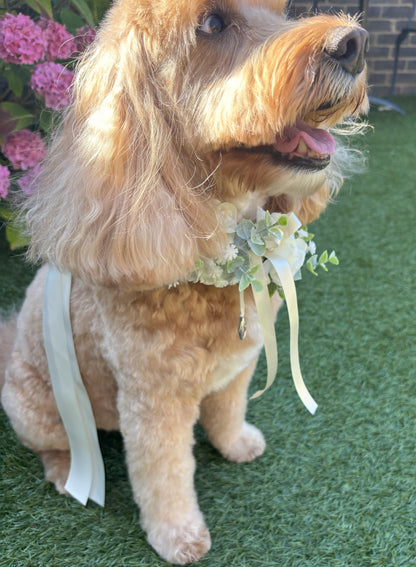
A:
(52, 81)
(21, 40)
(27, 181)
(39, 42)
(4, 181)
(59, 43)
(24, 149)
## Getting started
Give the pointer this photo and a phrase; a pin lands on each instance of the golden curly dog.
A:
(177, 106)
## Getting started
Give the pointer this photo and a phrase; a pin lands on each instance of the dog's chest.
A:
(228, 367)
(187, 336)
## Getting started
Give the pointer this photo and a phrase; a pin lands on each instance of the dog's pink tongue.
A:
(318, 140)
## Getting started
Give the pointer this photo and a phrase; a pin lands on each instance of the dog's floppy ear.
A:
(121, 197)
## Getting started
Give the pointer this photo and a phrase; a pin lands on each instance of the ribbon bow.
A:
(282, 263)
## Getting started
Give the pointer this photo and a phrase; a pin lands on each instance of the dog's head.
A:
(180, 104)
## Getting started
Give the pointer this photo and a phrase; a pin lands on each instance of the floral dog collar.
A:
(268, 256)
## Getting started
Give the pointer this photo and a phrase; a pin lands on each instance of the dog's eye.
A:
(212, 25)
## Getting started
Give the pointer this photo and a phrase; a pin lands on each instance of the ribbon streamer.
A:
(86, 477)
(266, 320)
(265, 315)
(289, 289)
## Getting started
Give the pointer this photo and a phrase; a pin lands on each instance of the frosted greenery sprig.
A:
(272, 235)
(314, 262)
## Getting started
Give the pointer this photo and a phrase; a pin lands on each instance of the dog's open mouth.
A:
(305, 146)
(300, 146)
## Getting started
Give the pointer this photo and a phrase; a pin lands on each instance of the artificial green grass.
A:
(334, 490)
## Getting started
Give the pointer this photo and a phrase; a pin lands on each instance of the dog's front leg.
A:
(223, 418)
(158, 436)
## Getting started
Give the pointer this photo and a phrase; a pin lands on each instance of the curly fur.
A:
(165, 123)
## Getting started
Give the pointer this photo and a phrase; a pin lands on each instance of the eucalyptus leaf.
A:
(268, 219)
(234, 264)
(311, 267)
(323, 258)
(262, 226)
(313, 260)
(308, 237)
(244, 283)
(256, 285)
(255, 236)
(333, 259)
(253, 270)
(244, 228)
(258, 249)
(276, 232)
(240, 243)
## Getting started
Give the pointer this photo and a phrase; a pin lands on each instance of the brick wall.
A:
(384, 22)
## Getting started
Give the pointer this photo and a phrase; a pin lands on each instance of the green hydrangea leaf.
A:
(14, 81)
(6, 213)
(85, 11)
(19, 117)
(16, 237)
(71, 20)
(42, 7)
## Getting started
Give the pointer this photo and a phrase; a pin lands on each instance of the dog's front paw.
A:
(56, 464)
(249, 445)
(180, 544)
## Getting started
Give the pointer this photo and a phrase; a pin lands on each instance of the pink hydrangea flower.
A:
(21, 40)
(27, 182)
(24, 149)
(59, 43)
(4, 181)
(52, 81)
(84, 36)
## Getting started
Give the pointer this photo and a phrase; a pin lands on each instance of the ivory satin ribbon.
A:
(265, 315)
(86, 477)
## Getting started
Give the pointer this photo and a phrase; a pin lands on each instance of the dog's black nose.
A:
(348, 48)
